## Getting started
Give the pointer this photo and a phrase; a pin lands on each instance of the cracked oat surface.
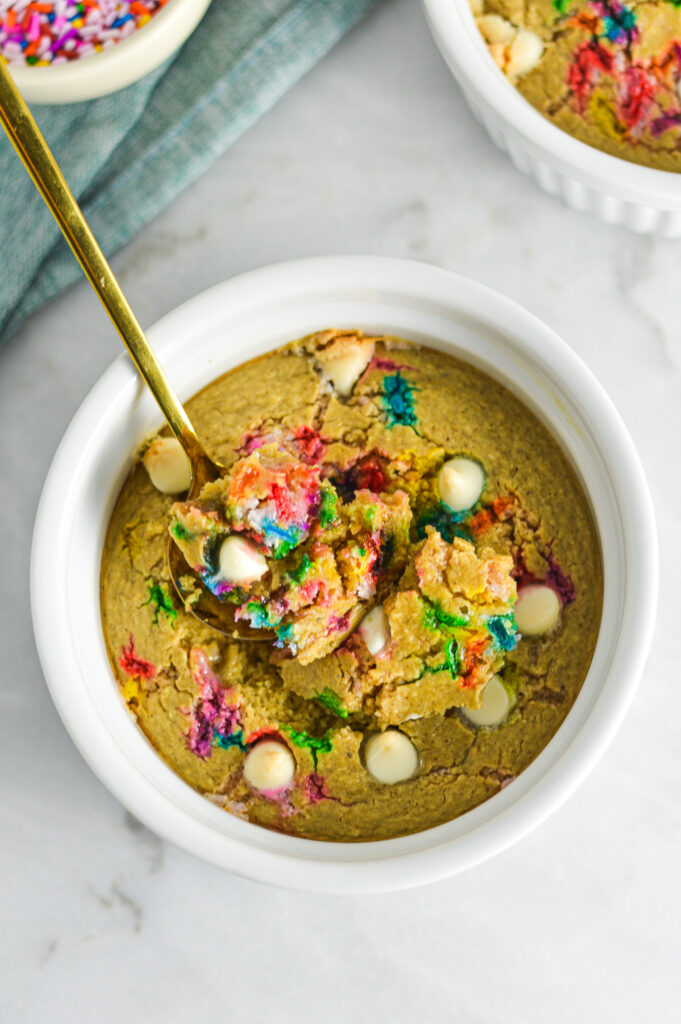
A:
(202, 710)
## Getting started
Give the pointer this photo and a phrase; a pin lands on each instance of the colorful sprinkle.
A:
(555, 576)
(214, 719)
(161, 600)
(332, 702)
(398, 400)
(315, 744)
(367, 474)
(300, 571)
(309, 444)
(314, 789)
(619, 22)
(133, 665)
(437, 618)
(504, 631)
(446, 522)
(327, 507)
(180, 532)
(285, 638)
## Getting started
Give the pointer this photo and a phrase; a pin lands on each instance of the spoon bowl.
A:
(208, 608)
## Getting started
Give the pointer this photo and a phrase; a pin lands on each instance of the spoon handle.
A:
(29, 143)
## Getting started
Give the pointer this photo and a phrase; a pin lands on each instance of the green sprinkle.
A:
(180, 532)
(435, 617)
(284, 548)
(160, 597)
(299, 572)
(259, 615)
(315, 744)
(331, 701)
(327, 507)
(451, 663)
(452, 660)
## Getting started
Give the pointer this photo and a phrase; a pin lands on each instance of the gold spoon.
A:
(29, 143)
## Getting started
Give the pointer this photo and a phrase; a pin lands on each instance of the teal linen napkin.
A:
(127, 156)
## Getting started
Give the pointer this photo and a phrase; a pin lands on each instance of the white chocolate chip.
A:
(344, 360)
(524, 53)
(494, 706)
(167, 465)
(537, 609)
(460, 483)
(495, 29)
(391, 757)
(374, 630)
(269, 765)
(240, 561)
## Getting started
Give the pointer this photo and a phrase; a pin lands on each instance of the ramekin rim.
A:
(552, 787)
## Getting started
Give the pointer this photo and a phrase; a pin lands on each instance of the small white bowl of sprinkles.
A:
(65, 51)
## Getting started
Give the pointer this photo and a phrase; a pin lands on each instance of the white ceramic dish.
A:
(641, 198)
(241, 319)
(117, 66)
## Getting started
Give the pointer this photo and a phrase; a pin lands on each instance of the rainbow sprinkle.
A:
(56, 33)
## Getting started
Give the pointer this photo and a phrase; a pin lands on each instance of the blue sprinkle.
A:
(236, 739)
(398, 400)
(504, 631)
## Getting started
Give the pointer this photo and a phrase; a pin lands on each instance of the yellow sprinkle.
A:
(131, 690)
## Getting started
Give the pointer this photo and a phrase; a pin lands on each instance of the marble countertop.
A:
(373, 152)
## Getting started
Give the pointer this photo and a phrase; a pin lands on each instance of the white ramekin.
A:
(117, 66)
(244, 318)
(645, 200)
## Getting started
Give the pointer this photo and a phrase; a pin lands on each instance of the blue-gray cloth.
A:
(126, 156)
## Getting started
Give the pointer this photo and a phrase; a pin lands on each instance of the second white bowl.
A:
(617, 191)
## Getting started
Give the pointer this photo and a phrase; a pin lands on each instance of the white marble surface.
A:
(101, 921)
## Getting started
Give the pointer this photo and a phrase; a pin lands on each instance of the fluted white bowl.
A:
(616, 191)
